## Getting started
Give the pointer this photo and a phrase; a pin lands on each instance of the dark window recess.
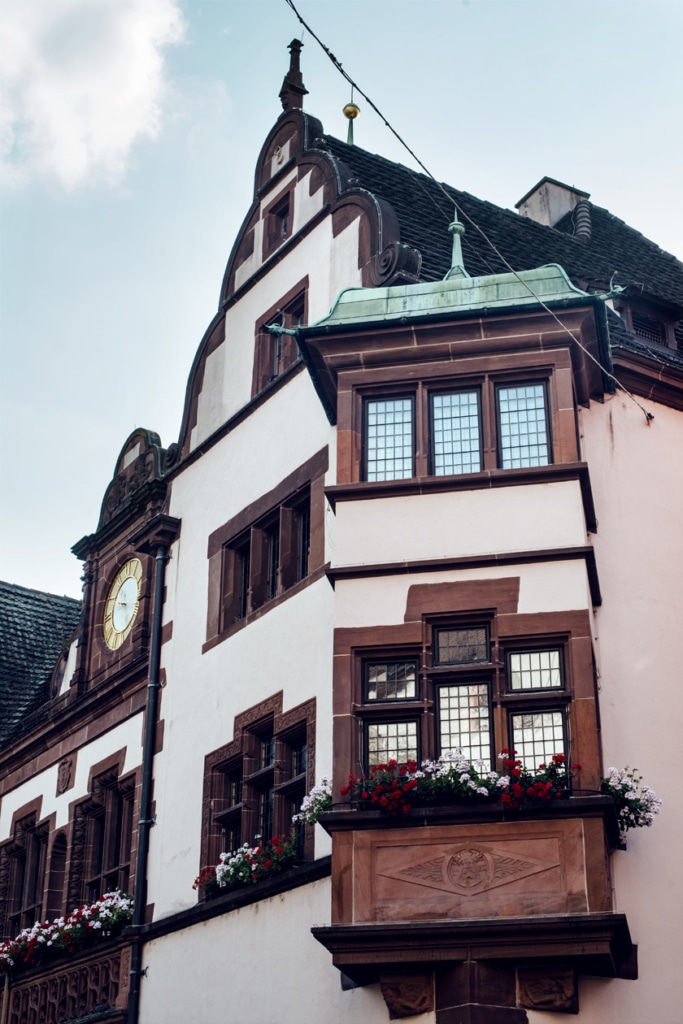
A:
(462, 646)
(256, 793)
(298, 749)
(268, 559)
(276, 351)
(649, 328)
(391, 680)
(108, 842)
(27, 862)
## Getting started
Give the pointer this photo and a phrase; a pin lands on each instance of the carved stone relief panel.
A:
(497, 869)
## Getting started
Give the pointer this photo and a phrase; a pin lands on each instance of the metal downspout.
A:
(145, 823)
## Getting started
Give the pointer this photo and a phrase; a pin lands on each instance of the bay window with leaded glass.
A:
(472, 694)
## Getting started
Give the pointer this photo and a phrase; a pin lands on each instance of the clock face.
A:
(122, 603)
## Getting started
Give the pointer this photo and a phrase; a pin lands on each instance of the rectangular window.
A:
(456, 433)
(465, 720)
(388, 741)
(266, 751)
(389, 439)
(468, 646)
(535, 670)
(536, 736)
(303, 538)
(266, 801)
(272, 559)
(298, 750)
(243, 565)
(26, 876)
(391, 680)
(267, 559)
(523, 433)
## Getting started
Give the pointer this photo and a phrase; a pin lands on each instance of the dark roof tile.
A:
(35, 628)
(615, 252)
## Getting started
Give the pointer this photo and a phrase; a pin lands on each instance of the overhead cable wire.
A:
(338, 65)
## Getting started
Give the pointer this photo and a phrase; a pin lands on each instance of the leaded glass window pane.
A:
(464, 720)
(462, 646)
(456, 440)
(389, 439)
(523, 426)
(537, 736)
(535, 670)
(391, 740)
(391, 680)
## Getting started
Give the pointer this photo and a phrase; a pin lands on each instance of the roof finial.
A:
(457, 266)
(351, 111)
(293, 89)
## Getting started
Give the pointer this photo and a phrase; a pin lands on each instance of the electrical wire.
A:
(354, 85)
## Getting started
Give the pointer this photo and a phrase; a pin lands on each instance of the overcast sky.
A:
(129, 130)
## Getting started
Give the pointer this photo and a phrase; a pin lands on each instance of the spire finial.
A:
(457, 266)
(351, 111)
(293, 89)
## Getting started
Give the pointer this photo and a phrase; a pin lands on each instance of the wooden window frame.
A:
(503, 702)
(242, 757)
(275, 354)
(486, 387)
(297, 502)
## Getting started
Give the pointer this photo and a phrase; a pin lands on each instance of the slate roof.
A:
(424, 213)
(34, 629)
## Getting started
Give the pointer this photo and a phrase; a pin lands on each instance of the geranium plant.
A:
(85, 926)
(396, 787)
(248, 865)
(636, 804)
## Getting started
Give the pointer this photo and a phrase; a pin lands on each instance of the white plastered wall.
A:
(460, 523)
(128, 734)
(637, 478)
(260, 963)
(544, 587)
(332, 263)
(288, 648)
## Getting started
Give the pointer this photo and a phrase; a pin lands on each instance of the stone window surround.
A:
(220, 550)
(240, 757)
(482, 373)
(293, 304)
(465, 603)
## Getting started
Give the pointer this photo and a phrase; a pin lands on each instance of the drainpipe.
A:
(160, 541)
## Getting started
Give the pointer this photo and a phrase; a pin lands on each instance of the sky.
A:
(129, 133)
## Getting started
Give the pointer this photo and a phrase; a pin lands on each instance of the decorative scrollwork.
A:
(397, 264)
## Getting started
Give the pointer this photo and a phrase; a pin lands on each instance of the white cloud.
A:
(80, 81)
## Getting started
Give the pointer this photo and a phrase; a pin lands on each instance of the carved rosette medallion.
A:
(469, 869)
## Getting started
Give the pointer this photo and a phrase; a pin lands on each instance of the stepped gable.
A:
(423, 212)
(35, 628)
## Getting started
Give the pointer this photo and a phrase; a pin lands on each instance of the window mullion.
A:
(488, 419)
(421, 433)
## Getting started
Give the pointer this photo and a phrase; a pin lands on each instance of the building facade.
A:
(420, 501)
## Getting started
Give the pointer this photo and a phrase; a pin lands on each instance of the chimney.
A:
(549, 200)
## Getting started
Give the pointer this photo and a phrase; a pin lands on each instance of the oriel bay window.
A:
(473, 693)
(457, 430)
